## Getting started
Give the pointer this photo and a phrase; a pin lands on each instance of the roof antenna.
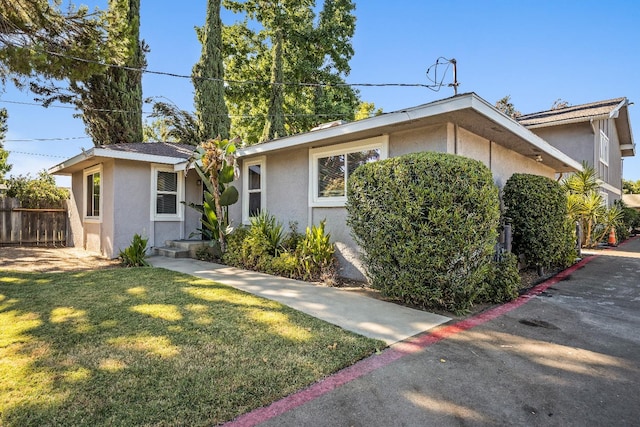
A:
(439, 82)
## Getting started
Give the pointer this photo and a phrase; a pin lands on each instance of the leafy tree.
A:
(366, 110)
(37, 193)
(506, 106)
(208, 78)
(178, 125)
(631, 187)
(292, 47)
(110, 101)
(36, 37)
(157, 130)
(4, 154)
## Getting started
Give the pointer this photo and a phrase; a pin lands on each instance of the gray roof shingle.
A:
(574, 112)
(168, 149)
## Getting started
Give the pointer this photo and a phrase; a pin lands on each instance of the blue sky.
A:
(536, 51)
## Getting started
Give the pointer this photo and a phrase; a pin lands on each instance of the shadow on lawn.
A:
(149, 346)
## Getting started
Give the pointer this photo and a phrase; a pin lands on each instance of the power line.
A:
(36, 154)
(252, 82)
(105, 110)
(47, 139)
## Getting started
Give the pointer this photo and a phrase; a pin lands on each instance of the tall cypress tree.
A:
(208, 76)
(112, 102)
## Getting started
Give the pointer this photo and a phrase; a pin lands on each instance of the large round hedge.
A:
(427, 224)
(537, 206)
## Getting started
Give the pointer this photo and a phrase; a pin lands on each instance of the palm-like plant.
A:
(215, 162)
(586, 205)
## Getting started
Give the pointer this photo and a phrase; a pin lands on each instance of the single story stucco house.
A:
(124, 189)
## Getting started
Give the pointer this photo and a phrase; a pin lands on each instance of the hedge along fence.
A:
(427, 223)
(542, 231)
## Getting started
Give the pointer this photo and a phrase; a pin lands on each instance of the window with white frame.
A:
(253, 187)
(604, 148)
(330, 168)
(92, 193)
(167, 190)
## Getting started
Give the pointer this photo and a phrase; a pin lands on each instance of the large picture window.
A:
(331, 167)
(167, 190)
(253, 187)
(92, 193)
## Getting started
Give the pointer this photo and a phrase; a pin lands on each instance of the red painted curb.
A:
(397, 351)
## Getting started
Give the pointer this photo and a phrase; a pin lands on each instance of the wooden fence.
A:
(21, 226)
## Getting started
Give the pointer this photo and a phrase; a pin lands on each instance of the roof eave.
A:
(459, 103)
(567, 121)
(65, 167)
(60, 168)
(512, 125)
(628, 150)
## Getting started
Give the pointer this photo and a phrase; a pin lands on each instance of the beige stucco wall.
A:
(432, 138)
(576, 140)
(505, 163)
(581, 141)
(288, 186)
(131, 204)
(75, 236)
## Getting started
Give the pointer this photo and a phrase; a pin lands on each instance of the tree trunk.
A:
(274, 124)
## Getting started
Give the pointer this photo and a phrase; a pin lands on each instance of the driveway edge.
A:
(395, 352)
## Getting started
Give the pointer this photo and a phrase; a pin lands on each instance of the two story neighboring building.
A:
(598, 133)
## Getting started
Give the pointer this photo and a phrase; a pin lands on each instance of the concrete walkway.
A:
(352, 311)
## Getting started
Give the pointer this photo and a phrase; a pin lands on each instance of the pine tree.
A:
(208, 78)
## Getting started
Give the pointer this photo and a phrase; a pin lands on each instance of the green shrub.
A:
(134, 255)
(267, 225)
(630, 221)
(293, 238)
(307, 257)
(256, 248)
(503, 280)
(285, 264)
(37, 193)
(315, 253)
(427, 223)
(235, 240)
(537, 206)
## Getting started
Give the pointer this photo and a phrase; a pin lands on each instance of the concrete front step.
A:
(181, 248)
(172, 252)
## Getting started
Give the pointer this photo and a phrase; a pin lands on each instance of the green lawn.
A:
(148, 346)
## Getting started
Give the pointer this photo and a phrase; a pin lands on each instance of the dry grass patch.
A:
(153, 347)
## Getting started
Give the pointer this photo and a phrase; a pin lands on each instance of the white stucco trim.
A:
(179, 215)
(609, 188)
(378, 142)
(246, 164)
(86, 172)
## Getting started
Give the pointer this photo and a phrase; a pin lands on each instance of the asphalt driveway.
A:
(569, 355)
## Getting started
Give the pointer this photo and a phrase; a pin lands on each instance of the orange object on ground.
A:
(612, 237)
